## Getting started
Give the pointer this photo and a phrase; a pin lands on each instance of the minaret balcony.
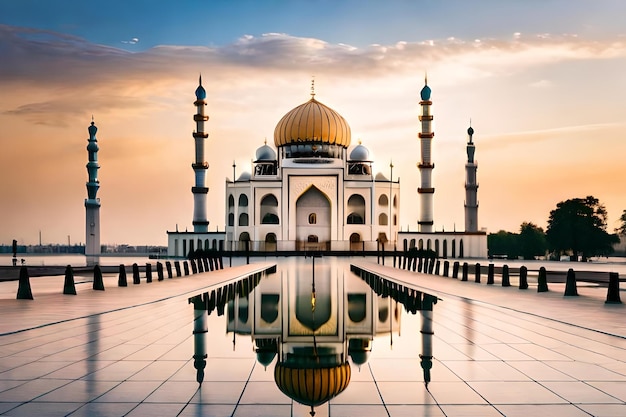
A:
(426, 190)
(425, 117)
(200, 165)
(200, 135)
(199, 190)
(200, 118)
(426, 103)
(199, 103)
(429, 135)
(425, 165)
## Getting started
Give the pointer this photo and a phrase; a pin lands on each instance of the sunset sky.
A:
(543, 82)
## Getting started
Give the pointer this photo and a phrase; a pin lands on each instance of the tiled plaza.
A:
(128, 352)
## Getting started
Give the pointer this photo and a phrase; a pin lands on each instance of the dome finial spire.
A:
(200, 79)
(312, 86)
(425, 78)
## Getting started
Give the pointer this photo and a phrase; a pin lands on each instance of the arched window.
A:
(395, 220)
(461, 254)
(420, 244)
(453, 248)
(412, 244)
(445, 248)
(395, 201)
(206, 244)
(383, 200)
(428, 244)
(231, 201)
(437, 248)
(312, 218)
(382, 219)
(356, 208)
(269, 209)
(243, 219)
(231, 219)
(243, 200)
(354, 218)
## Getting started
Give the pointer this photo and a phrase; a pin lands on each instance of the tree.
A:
(579, 225)
(621, 230)
(503, 243)
(532, 241)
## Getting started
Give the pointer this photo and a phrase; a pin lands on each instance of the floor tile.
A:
(516, 393)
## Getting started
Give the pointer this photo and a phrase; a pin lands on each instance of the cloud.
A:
(132, 41)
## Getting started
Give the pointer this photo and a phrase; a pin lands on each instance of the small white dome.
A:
(245, 176)
(265, 153)
(360, 153)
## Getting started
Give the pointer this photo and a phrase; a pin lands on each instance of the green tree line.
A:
(576, 227)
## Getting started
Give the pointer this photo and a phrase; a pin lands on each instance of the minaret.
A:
(200, 166)
(426, 191)
(92, 204)
(471, 187)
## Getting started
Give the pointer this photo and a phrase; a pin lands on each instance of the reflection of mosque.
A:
(315, 322)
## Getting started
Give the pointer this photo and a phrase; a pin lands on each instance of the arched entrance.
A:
(355, 242)
(313, 218)
(270, 242)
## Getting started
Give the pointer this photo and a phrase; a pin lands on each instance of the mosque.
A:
(312, 191)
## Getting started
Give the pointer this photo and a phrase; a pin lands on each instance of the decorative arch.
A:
(445, 248)
(437, 248)
(382, 219)
(383, 200)
(243, 238)
(243, 200)
(453, 248)
(231, 219)
(420, 244)
(461, 254)
(231, 201)
(270, 242)
(243, 219)
(313, 204)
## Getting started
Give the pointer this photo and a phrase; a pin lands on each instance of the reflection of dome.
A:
(312, 122)
(265, 153)
(360, 153)
(312, 386)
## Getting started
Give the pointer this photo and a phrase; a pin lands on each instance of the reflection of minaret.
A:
(200, 166)
(471, 187)
(426, 190)
(92, 203)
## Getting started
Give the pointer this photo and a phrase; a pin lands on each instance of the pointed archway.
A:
(313, 220)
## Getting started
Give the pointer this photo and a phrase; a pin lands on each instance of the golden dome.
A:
(312, 386)
(312, 122)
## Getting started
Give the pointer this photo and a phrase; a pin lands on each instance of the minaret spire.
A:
(426, 191)
(92, 203)
(200, 166)
(313, 87)
(471, 185)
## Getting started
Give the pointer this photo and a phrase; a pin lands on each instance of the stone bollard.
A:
(455, 270)
(160, 271)
(491, 274)
(186, 268)
(194, 268)
(68, 286)
(465, 271)
(612, 295)
(446, 268)
(570, 284)
(506, 282)
(477, 273)
(177, 267)
(523, 278)
(98, 283)
(542, 280)
(23, 289)
(168, 268)
(121, 280)
(136, 279)
(148, 273)
(437, 267)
